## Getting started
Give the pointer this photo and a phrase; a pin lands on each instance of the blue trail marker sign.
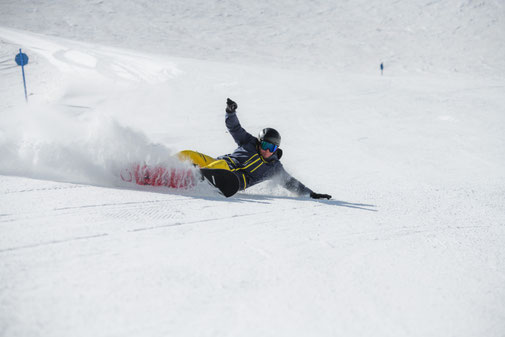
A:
(22, 60)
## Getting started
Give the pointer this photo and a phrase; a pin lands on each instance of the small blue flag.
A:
(22, 59)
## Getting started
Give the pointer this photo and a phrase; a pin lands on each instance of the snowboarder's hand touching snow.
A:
(320, 196)
(231, 106)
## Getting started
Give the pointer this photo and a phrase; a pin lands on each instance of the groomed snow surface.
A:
(412, 243)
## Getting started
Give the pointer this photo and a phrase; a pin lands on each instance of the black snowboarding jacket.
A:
(250, 167)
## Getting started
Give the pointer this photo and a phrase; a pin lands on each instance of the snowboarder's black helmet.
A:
(270, 135)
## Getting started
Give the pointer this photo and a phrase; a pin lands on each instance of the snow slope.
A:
(412, 242)
(351, 36)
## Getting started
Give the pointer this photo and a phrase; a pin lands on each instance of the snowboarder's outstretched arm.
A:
(238, 133)
(294, 185)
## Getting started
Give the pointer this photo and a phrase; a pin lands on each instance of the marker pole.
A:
(23, 71)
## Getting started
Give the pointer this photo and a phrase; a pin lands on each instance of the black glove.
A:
(231, 106)
(319, 196)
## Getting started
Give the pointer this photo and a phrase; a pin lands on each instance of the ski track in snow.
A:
(412, 243)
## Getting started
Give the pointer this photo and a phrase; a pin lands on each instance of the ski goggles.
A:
(269, 146)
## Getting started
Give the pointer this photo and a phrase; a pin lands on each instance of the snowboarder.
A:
(255, 160)
(382, 68)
